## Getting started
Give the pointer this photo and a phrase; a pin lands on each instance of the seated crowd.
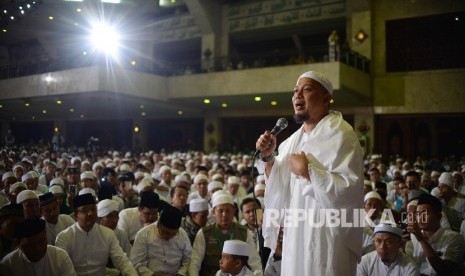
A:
(190, 213)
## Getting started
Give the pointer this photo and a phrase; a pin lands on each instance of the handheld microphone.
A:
(280, 125)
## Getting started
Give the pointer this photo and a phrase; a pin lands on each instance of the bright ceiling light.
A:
(257, 99)
(51, 17)
(105, 38)
(206, 101)
(180, 112)
(111, 1)
(224, 105)
(274, 103)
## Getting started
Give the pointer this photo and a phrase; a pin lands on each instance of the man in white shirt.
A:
(30, 202)
(55, 222)
(387, 259)
(131, 220)
(201, 188)
(437, 251)
(89, 245)
(34, 256)
(8, 179)
(453, 202)
(162, 247)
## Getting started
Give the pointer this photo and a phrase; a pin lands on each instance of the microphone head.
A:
(282, 123)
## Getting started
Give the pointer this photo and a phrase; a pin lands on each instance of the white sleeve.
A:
(65, 265)
(186, 253)
(198, 252)
(254, 259)
(123, 225)
(119, 258)
(139, 254)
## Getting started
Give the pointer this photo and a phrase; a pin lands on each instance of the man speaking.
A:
(318, 171)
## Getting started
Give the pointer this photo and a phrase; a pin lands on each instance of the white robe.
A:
(64, 221)
(336, 173)
(55, 263)
(371, 265)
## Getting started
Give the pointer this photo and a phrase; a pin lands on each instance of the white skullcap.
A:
(26, 176)
(234, 180)
(108, 160)
(57, 181)
(435, 173)
(87, 175)
(85, 162)
(87, 191)
(199, 178)
(148, 179)
(18, 166)
(446, 179)
(25, 195)
(34, 174)
(371, 194)
(124, 168)
(181, 178)
(367, 182)
(138, 175)
(146, 163)
(454, 173)
(319, 77)
(76, 158)
(214, 185)
(17, 185)
(8, 175)
(164, 168)
(127, 154)
(107, 206)
(412, 203)
(236, 247)
(198, 205)
(388, 227)
(142, 185)
(218, 177)
(222, 199)
(259, 187)
(56, 189)
(111, 165)
(96, 165)
(261, 178)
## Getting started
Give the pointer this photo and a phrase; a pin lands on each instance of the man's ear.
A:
(238, 263)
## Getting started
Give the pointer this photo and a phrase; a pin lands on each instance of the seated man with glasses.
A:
(162, 248)
(89, 245)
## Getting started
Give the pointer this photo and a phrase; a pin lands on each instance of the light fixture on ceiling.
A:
(361, 36)
(206, 101)
(257, 99)
(274, 103)
(224, 105)
(136, 129)
(180, 112)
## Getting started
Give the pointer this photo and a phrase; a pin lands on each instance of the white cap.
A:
(388, 227)
(16, 185)
(371, 194)
(87, 191)
(234, 180)
(25, 195)
(435, 192)
(87, 175)
(236, 247)
(214, 185)
(164, 168)
(261, 178)
(56, 189)
(199, 177)
(319, 77)
(412, 203)
(138, 175)
(26, 176)
(17, 166)
(222, 199)
(259, 187)
(142, 185)
(76, 158)
(435, 173)
(57, 181)
(106, 206)
(34, 174)
(181, 178)
(124, 168)
(218, 177)
(198, 205)
(8, 175)
(96, 164)
(446, 179)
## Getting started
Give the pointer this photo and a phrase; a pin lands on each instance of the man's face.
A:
(31, 208)
(202, 187)
(166, 176)
(227, 263)
(310, 99)
(166, 233)
(445, 192)
(224, 215)
(233, 188)
(7, 183)
(110, 220)
(7, 228)
(426, 218)
(50, 212)
(34, 247)
(248, 214)
(50, 169)
(200, 218)
(412, 182)
(31, 184)
(87, 183)
(86, 216)
(374, 175)
(148, 215)
(373, 203)
(387, 246)
(179, 199)
(19, 172)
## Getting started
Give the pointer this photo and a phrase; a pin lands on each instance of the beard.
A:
(300, 119)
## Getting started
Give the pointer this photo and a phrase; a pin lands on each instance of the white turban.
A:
(319, 77)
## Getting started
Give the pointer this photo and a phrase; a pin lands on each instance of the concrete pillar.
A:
(212, 129)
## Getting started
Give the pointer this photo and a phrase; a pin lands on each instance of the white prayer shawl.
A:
(336, 173)
(55, 263)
